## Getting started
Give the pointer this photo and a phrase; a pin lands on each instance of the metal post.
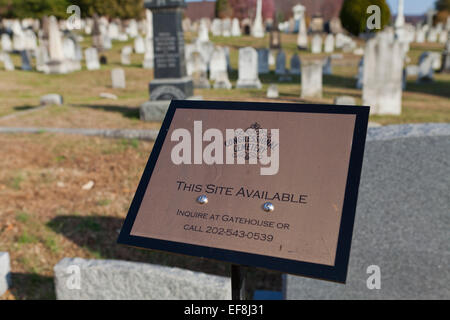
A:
(238, 276)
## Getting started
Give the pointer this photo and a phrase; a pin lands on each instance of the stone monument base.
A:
(156, 110)
(249, 84)
(56, 67)
(171, 89)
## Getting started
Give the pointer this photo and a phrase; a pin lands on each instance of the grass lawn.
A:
(45, 215)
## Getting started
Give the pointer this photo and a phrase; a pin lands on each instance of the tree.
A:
(354, 15)
(443, 8)
(124, 9)
(247, 8)
(223, 9)
(33, 8)
(442, 5)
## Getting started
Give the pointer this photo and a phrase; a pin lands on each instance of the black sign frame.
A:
(336, 273)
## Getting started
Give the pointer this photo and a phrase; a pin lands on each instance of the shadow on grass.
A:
(436, 87)
(339, 81)
(23, 108)
(98, 235)
(127, 112)
(32, 286)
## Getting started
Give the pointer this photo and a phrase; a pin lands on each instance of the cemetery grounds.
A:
(45, 212)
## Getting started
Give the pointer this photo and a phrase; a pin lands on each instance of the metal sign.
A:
(257, 184)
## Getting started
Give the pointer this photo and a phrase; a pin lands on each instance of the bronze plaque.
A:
(277, 190)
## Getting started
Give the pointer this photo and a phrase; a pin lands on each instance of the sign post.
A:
(267, 185)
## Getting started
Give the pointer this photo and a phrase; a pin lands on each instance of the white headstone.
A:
(426, 70)
(329, 43)
(7, 62)
(91, 57)
(203, 33)
(312, 80)
(235, 28)
(226, 27)
(218, 63)
(222, 81)
(125, 55)
(216, 27)
(139, 45)
(6, 43)
(316, 44)
(118, 78)
(400, 19)
(54, 38)
(383, 75)
(197, 68)
(302, 37)
(258, 27)
(248, 69)
(272, 91)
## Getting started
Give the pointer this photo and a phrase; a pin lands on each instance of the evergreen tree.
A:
(354, 14)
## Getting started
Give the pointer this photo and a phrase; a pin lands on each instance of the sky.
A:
(412, 7)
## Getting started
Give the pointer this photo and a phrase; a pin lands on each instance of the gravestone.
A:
(125, 55)
(198, 71)
(383, 74)
(280, 67)
(218, 63)
(312, 80)
(446, 57)
(263, 61)
(7, 62)
(302, 38)
(432, 35)
(426, 70)
(420, 36)
(97, 34)
(170, 79)
(329, 43)
(118, 78)
(26, 60)
(216, 27)
(258, 28)
(51, 99)
(6, 43)
(248, 69)
(139, 45)
(5, 272)
(272, 91)
(222, 81)
(400, 226)
(203, 32)
(360, 75)
(124, 280)
(295, 65)
(316, 44)
(226, 27)
(327, 67)
(56, 63)
(275, 36)
(345, 100)
(92, 62)
(235, 28)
